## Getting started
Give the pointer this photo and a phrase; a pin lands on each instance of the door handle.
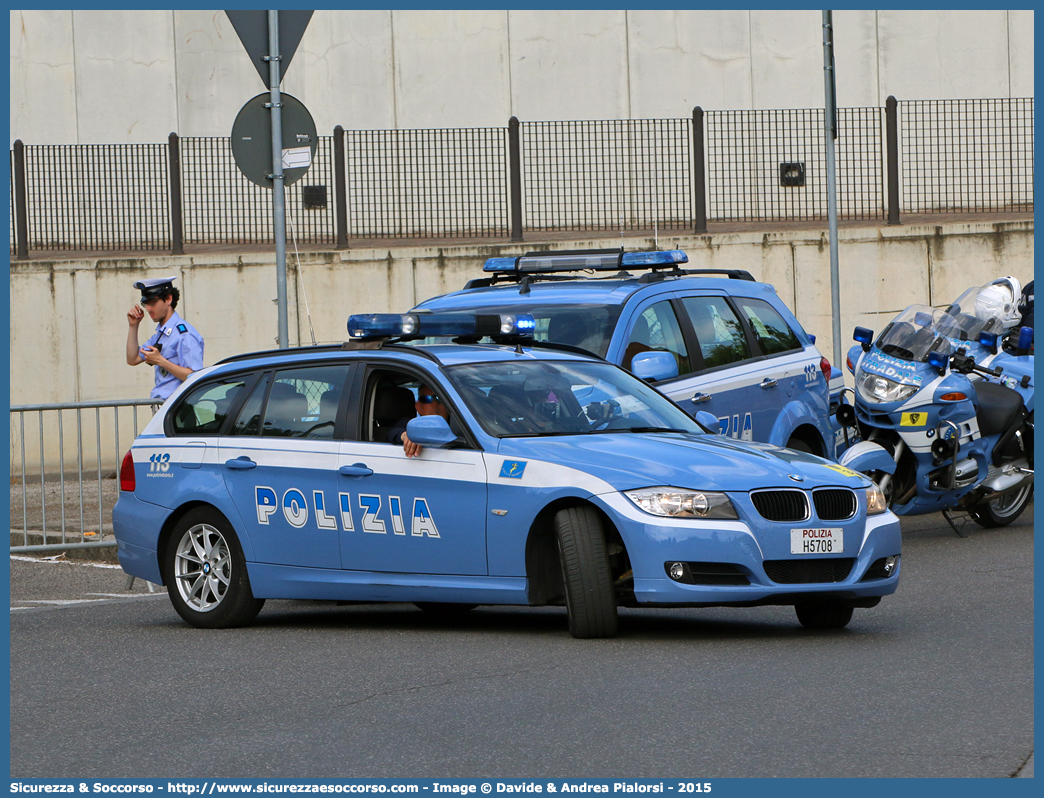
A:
(241, 463)
(355, 470)
(700, 398)
(768, 382)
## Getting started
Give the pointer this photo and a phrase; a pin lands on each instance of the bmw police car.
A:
(733, 347)
(546, 476)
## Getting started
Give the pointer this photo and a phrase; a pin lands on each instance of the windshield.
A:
(564, 398)
(588, 327)
(921, 329)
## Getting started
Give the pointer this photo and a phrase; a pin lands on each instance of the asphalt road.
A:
(937, 681)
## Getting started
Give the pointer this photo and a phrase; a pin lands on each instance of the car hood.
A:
(701, 462)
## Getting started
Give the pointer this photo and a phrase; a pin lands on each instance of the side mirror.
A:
(430, 431)
(1025, 345)
(863, 336)
(939, 361)
(709, 421)
(654, 366)
(989, 341)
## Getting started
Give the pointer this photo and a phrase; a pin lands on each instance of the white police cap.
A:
(155, 287)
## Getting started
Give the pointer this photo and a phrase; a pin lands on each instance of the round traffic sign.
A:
(252, 140)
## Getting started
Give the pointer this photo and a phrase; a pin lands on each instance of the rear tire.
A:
(830, 614)
(1002, 510)
(590, 600)
(206, 574)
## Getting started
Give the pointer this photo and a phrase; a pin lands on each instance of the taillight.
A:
(824, 366)
(127, 473)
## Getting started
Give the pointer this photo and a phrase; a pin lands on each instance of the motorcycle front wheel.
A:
(1002, 510)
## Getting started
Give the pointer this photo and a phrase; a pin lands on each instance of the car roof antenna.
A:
(524, 286)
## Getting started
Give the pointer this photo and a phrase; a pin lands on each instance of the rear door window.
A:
(718, 331)
(770, 329)
(303, 402)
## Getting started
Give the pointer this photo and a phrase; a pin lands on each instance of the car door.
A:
(280, 465)
(725, 383)
(784, 371)
(423, 515)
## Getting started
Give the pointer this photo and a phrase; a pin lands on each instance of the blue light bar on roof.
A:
(423, 325)
(654, 259)
(595, 260)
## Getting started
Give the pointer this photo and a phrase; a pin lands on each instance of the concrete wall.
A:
(69, 328)
(88, 77)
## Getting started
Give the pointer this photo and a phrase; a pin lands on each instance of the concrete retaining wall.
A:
(186, 70)
(69, 328)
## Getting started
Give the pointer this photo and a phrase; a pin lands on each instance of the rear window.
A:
(203, 410)
(588, 327)
(773, 333)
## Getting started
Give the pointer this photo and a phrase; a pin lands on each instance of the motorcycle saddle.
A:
(998, 408)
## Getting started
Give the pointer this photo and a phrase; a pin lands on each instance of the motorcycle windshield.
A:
(921, 329)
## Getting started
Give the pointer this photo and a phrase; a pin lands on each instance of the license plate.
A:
(816, 541)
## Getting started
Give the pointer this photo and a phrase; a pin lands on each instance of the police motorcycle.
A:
(944, 404)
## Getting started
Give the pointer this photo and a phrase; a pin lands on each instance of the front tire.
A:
(206, 573)
(590, 600)
(1002, 510)
(800, 445)
(829, 614)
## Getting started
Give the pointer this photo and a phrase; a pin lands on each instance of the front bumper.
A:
(651, 542)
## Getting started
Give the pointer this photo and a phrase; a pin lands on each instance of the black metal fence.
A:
(621, 175)
(427, 183)
(772, 165)
(221, 206)
(968, 155)
(939, 156)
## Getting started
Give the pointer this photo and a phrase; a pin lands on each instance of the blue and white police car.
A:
(544, 477)
(712, 340)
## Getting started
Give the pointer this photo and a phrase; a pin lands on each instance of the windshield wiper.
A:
(646, 429)
(543, 434)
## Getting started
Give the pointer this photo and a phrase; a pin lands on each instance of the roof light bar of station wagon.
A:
(601, 260)
(422, 325)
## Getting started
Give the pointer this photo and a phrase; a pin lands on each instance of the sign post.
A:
(830, 131)
(278, 195)
(249, 26)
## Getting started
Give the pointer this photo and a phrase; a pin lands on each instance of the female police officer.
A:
(175, 349)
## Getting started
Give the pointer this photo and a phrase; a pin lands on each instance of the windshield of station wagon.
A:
(564, 398)
(588, 327)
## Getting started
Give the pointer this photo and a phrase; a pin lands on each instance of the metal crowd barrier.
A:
(71, 524)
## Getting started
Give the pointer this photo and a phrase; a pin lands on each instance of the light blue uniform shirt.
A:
(182, 345)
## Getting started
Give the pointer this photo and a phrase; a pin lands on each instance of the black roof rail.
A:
(732, 274)
(276, 352)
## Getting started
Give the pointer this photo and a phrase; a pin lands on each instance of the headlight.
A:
(875, 501)
(680, 503)
(875, 388)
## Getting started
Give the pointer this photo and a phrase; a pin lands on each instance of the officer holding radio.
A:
(175, 349)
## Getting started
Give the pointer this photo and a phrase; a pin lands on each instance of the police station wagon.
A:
(724, 344)
(540, 476)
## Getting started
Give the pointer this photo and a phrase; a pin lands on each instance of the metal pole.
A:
(830, 113)
(21, 205)
(699, 172)
(892, 149)
(278, 197)
(340, 188)
(515, 171)
(177, 228)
